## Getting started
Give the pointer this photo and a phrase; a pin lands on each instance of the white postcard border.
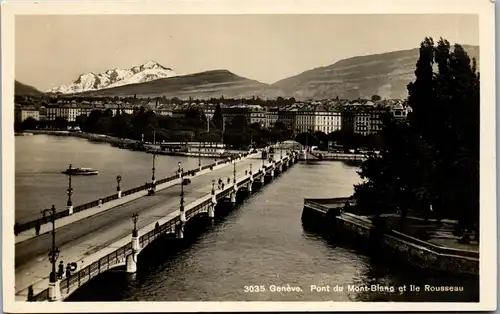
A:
(488, 237)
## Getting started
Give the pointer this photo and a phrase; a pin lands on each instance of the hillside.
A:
(385, 74)
(21, 89)
(200, 85)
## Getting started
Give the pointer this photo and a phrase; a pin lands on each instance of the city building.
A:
(230, 112)
(271, 116)
(257, 115)
(325, 120)
(23, 113)
(305, 119)
(288, 116)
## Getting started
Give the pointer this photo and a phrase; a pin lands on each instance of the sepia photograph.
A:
(178, 155)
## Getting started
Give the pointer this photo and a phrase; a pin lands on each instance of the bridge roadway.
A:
(82, 238)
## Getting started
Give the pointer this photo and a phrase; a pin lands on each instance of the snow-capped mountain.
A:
(146, 72)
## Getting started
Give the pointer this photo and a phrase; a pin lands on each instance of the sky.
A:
(55, 49)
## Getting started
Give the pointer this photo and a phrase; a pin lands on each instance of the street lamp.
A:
(199, 154)
(135, 217)
(118, 179)
(250, 169)
(182, 188)
(213, 186)
(153, 184)
(234, 172)
(54, 251)
(70, 189)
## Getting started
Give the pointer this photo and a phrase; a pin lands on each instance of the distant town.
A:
(359, 116)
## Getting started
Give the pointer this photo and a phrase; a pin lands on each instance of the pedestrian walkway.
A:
(47, 227)
(86, 249)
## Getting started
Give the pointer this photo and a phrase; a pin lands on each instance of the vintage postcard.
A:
(248, 156)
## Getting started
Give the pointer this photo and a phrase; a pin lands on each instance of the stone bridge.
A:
(125, 252)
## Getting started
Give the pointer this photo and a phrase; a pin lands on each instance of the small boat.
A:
(80, 171)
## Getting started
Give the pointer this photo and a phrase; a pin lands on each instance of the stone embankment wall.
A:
(416, 252)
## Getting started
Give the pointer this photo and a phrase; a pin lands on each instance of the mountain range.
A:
(146, 72)
(386, 75)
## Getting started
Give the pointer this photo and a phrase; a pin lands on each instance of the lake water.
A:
(261, 243)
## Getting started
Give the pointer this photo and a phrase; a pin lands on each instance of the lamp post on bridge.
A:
(182, 188)
(153, 179)
(250, 169)
(213, 186)
(199, 155)
(234, 172)
(135, 217)
(118, 188)
(54, 290)
(69, 191)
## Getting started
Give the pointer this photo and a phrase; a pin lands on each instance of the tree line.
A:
(430, 165)
(191, 125)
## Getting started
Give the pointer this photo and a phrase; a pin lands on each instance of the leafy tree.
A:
(434, 158)
(92, 121)
(376, 98)
(29, 124)
(80, 120)
(217, 118)
(307, 138)
(60, 123)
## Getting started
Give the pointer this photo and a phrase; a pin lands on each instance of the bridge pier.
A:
(249, 187)
(132, 258)
(233, 197)
(211, 207)
(179, 231)
(55, 291)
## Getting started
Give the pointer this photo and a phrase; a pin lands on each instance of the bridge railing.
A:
(42, 296)
(64, 213)
(68, 285)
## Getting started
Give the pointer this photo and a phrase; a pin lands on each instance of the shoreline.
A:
(122, 143)
(327, 216)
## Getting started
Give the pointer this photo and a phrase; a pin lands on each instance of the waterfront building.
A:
(257, 115)
(271, 116)
(305, 119)
(86, 109)
(23, 113)
(230, 112)
(327, 120)
(288, 116)
(400, 112)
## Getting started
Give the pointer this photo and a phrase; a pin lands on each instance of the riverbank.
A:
(125, 143)
(440, 251)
